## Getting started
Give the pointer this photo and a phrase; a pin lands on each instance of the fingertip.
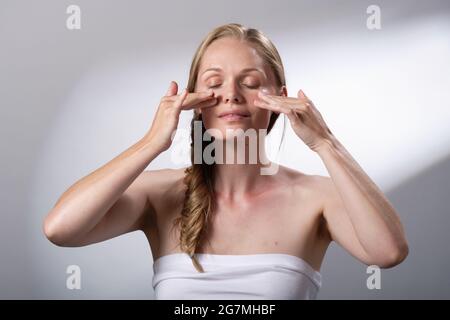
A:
(257, 102)
(182, 95)
(264, 91)
(208, 93)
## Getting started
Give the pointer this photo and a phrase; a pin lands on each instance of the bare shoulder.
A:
(325, 192)
(321, 183)
(163, 179)
(313, 186)
(164, 182)
(309, 194)
(165, 187)
(308, 182)
(321, 186)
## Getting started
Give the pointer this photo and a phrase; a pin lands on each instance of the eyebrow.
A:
(242, 71)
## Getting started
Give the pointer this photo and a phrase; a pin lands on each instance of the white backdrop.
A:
(72, 100)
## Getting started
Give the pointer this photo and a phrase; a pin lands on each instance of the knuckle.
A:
(301, 107)
(165, 105)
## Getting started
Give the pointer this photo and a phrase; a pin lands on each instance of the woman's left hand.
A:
(306, 120)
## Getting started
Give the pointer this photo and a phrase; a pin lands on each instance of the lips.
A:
(234, 114)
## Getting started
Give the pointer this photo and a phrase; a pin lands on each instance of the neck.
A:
(238, 167)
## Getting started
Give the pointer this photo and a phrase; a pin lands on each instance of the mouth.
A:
(234, 115)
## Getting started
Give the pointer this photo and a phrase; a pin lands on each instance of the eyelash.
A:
(250, 87)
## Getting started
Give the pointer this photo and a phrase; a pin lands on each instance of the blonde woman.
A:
(227, 231)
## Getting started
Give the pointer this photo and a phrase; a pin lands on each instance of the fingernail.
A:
(264, 91)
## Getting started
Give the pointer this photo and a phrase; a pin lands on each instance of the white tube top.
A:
(274, 276)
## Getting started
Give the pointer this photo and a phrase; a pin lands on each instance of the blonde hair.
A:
(199, 178)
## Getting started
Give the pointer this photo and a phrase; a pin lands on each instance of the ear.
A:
(198, 112)
(283, 91)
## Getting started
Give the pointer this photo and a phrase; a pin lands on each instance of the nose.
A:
(232, 94)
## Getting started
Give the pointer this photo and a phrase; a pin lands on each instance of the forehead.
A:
(231, 54)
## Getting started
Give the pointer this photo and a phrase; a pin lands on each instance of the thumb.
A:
(173, 89)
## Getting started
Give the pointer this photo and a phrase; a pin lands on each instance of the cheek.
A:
(261, 118)
(208, 117)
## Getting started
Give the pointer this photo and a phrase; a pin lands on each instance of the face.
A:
(235, 72)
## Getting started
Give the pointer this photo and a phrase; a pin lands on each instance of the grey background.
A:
(72, 100)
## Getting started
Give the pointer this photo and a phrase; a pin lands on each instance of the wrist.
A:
(149, 142)
(326, 145)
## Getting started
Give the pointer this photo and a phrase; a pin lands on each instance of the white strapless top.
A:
(274, 276)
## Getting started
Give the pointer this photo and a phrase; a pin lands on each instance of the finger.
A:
(278, 108)
(205, 104)
(300, 106)
(195, 98)
(173, 89)
(286, 106)
(270, 106)
(268, 97)
(301, 94)
(179, 102)
(190, 101)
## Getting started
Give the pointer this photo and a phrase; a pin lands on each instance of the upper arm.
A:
(129, 213)
(338, 221)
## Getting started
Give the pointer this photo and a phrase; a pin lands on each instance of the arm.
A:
(359, 217)
(115, 199)
(109, 202)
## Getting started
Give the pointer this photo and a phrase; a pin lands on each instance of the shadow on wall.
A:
(423, 205)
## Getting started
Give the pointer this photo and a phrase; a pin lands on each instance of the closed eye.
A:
(245, 85)
(251, 86)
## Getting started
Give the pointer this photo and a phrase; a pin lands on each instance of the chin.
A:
(231, 131)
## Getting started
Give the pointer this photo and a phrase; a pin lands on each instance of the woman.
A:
(249, 233)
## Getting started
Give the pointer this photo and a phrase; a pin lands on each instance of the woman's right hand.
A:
(167, 116)
(117, 197)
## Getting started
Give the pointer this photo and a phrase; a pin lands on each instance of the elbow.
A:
(53, 232)
(395, 256)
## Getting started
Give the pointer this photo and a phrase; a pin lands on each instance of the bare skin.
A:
(283, 216)
(289, 212)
